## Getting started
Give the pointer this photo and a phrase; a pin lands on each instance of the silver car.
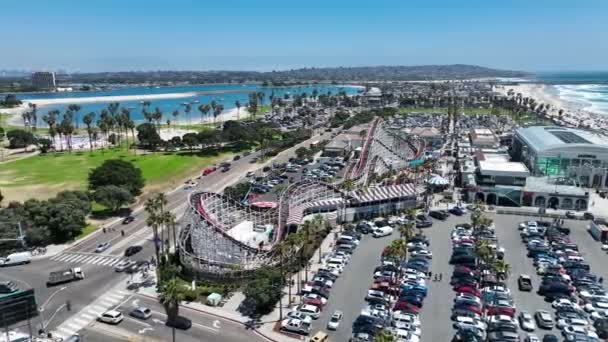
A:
(141, 313)
(102, 247)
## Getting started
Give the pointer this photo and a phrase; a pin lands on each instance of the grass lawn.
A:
(88, 229)
(44, 175)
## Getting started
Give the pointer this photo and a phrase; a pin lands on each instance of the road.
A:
(204, 327)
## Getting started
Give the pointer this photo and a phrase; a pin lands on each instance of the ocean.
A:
(238, 92)
(589, 89)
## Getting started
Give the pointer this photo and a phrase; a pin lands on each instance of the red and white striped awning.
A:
(385, 193)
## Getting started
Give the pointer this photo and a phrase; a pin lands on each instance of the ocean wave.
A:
(593, 96)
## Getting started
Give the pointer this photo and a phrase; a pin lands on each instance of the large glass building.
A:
(576, 154)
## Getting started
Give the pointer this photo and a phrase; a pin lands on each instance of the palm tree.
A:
(384, 336)
(175, 114)
(153, 220)
(407, 230)
(502, 269)
(187, 111)
(74, 108)
(88, 120)
(171, 295)
(204, 109)
(237, 104)
(291, 243)
(484, 251)
(217, 111)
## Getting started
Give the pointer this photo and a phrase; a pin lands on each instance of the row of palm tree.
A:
(162, 222)
(299, 245)
(485, 252)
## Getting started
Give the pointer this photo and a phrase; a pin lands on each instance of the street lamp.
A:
(41, 309)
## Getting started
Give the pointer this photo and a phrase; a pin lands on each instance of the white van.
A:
(16, 259)
(382, 231)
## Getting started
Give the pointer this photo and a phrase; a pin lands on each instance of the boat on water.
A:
(185, 103)
(196, 101)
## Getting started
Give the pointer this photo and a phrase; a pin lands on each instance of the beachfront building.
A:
(575, 154)
(43, 80)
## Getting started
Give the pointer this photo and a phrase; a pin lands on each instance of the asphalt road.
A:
(204, 327)
(350, 289)
(100, 278)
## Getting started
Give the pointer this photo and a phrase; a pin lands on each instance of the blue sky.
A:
(96, 35)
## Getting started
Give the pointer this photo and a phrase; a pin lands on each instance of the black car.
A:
(128, 219)
(237, 157)
(225, 169)
(550, 338)
(588, 216)
(436, 214)
(456, 211)
(132, 250)
(424, 223)
(180, 322)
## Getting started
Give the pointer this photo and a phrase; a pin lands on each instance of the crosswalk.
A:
(90, 313)
(88, 258)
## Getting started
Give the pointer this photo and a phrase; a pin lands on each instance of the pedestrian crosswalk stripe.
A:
(87, 259)
(117, 296)
(81, 321)
(67, 331)
(65, 257)
(108, 303)
(116, 261)
(74, 327)
(87, 316)
(96, 261)
(123, 292)
(80, 257)
(70, 258)
(105, 262)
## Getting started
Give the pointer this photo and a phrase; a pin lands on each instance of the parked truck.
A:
(64, 276)
(599, 231)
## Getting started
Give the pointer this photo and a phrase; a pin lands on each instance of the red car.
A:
(500, 310)
(405, 306)
(316, 302)
(467, 289)
(209, 170)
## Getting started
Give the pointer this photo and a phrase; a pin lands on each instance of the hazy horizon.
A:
(538, 36)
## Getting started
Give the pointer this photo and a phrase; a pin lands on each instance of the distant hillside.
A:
(396, 73)
(305, 75)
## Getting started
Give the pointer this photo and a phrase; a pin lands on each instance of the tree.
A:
(119, 173)
(264, 290)
(171, 295)
(66, 127)
(237, 104)
(148, 136)
(303, 152)
(74, 108)
(407, 230)
(384, 336)
(10, 100)
(44, 145)
(190, 140)
(113, 197)
(1, 197)
(204, 109)
(88, 121)
(19, 138)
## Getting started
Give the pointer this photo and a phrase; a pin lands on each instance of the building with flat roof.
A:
(43, 80)
(564, 152)
(483, 137)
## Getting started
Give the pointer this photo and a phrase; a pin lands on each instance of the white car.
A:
(309, 310)
(337, 270)
(567, 322)
(327, 282)
(300, 316)
(102, 247)
(563, 302)
(597, 305)
(406, 318)
(315, 296)
(404, 335)
(423, 253)
(123, 265)
(334, 320)
(500, 319)
(605, 247)
(295, 325)
(468, 322)
(111, 316)
(526, 322)
(579, 330)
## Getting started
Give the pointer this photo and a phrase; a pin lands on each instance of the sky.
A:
(124, 35)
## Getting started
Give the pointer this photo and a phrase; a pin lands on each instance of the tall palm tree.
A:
(384, 336)
(170, 296)
(204, 109)
(502, 269)
(406, 231)
(74, 108)
(51, 120)
(291, 244)
(237, 104)
(187, 111)
(88, 121)
(175, 114)
(153, 220)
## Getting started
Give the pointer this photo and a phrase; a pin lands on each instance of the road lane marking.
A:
(87, 259)
(95, 261)
(108, 303)
(217, 331)
(123, 302)
(138, 321)
(87, 316)
(69, 258)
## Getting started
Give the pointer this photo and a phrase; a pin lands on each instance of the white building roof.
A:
(501, 168)
(543, 138)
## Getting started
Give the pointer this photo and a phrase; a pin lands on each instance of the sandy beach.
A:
(94, 99)
(573, 112)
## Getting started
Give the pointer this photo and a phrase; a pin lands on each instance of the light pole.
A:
(41, 309)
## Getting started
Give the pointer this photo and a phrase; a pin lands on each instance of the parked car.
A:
(543, 319)
(295, 325)
(179, 322)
